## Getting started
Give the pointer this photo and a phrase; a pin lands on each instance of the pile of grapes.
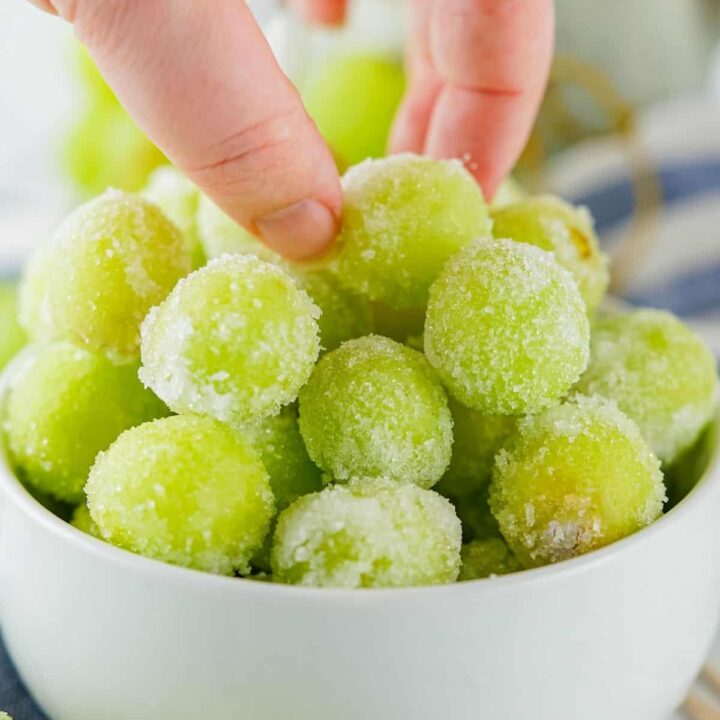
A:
(444, 376)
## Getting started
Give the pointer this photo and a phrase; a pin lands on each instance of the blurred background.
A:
(630, 127)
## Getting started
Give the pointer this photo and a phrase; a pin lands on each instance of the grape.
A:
(506, 328)
(178, 198)
(399, 324)
(108, 264)
(659, 372)
(219, 234)
(487, 558)
(186, 490)
(375, 408)
(12, 336)
(64, 406)
(82, 521)
(556, 226)
(578, 477)
(235, 340)
(404, 216)
(510, 191)
(370, 533)
(353, 101)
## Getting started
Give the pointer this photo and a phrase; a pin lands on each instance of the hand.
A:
(202, 82)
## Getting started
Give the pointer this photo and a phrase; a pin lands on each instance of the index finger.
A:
(324, 12)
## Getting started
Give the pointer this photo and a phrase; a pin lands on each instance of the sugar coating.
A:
(95, 280)
(477, 439)
(12, 336)
(186, 490)
(221, 235)
(506, 328)
(579, 476)
(64, 406)
(487, 558)
(345, 314)
(82, 521)
(235, 340)
(403, 217)
(659, 372)
(178, 198)
(375, 408)
(556, 226)
(353, 101)
(370, 533)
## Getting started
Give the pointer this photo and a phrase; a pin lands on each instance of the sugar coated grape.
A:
(178, 198)
(64, 406)
(579, 476)
(12, 336)
(556, 226)
(487, 558)
(659, 372)
(506, 328)
(82, 521)
(235, 340)
(370, 533)
(353, 101)
(220, 234)
(187, 490)
(108, 264)
(477, 439)
(404, 216)
(375, 408)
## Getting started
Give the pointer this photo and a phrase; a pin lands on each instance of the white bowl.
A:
(100, 634)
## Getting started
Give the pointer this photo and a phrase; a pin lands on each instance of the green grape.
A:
(236, 340)
(82, 521)
(220, 235)
(579, 476)
(477, 439)
(178, 198)
(64, 406)
(186, 490)
(553, 225)
(12, 336)
(404, 216)
(370, 533)
(107, 265)
(374, 408)
(344, 314)
(353, 101)
(659, 372)
(487, 558)
(506, 328)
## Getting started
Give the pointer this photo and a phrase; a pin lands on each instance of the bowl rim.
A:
(12, 490)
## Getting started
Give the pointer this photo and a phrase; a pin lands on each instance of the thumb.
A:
(202, 82)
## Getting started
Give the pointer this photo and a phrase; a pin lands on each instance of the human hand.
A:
(202, 82)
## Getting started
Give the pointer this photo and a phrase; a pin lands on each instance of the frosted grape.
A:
(353, 101)
(12, 336)
(579, 476)
(185, 490)
(375, 408)
(235, 340)
(178, 198)
(506, 328)
(659, 372)
(220, 234)
(64, 406)
(487, 558)
(556, 226)
(370, 533)
(107, 265)
(403, 217)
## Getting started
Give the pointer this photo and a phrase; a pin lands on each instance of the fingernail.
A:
(301, 231)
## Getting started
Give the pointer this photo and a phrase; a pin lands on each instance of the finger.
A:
(201, 80)
(494, 57)
(45, 5)
(324, 12)
(413, 117)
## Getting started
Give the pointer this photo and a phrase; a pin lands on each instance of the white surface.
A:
(616, 635)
